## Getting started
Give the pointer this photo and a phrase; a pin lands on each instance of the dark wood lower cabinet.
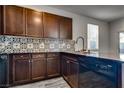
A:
(24, 68)
(53, 67)
(73, 73)
(21, 70)
(33, 67)
(27, 68)
(65, 68)
(38, 69)
(70, 70)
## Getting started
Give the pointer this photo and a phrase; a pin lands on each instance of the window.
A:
(92, 37)
(121, 36)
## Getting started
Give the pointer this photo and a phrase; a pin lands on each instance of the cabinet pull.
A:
(21, 56)
(30, 61)
(68, 62)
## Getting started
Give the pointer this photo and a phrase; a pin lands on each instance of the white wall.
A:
(115, 27)
(80, 25)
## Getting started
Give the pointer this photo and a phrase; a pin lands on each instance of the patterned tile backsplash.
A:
(18, 44)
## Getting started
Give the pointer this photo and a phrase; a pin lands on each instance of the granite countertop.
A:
(101, 55)
(93, 54)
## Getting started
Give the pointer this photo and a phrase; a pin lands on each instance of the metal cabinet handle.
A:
(109, 66)
(21, 56)
(68, 61)
(30, 61)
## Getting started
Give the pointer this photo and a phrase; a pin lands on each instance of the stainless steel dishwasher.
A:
(3, 70)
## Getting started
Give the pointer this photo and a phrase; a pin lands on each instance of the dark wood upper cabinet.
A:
(65, 28)
(14, 20)
(34, 23)
(19, 21)
(1, 24)
(51, 25)
(38, 66)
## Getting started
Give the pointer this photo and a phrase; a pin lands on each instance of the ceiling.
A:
(102, 12)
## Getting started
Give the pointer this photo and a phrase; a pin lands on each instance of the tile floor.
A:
(51, 83)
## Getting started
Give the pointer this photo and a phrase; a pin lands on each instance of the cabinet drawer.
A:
(34, 56)
(21, 56)
(53, 55)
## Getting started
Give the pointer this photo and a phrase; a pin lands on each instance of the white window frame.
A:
(121, 55)
(119, 42)
(87, 37)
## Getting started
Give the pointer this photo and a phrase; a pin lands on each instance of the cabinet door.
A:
(14, 20)
(34, 26)
(65, 68)
(21, 70)
(38, 68)
(73, 73)
(53, 67)
(51, 25)
(65, 28)
(1, 21)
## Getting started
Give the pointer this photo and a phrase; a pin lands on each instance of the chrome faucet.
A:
(80, 37)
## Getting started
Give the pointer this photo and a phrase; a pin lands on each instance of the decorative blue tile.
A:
(19, 44)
